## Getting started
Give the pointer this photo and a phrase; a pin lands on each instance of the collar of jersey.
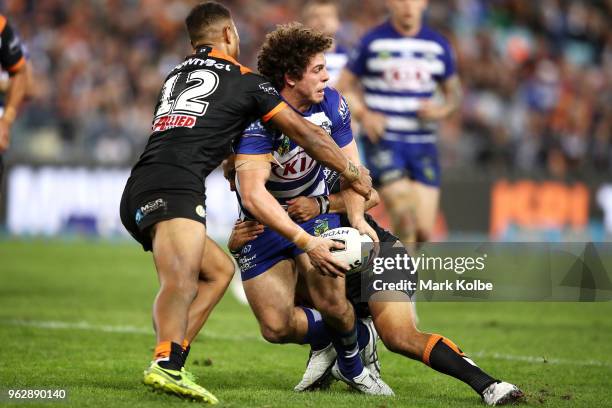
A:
(215, 53)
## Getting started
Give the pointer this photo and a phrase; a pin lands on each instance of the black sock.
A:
(175, 360)
(185, 354)
(445, 359)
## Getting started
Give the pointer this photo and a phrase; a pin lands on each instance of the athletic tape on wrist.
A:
(304, 240)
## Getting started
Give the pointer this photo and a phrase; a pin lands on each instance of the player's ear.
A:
(289, 81)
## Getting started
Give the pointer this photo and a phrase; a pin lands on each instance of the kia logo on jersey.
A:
(298, 165)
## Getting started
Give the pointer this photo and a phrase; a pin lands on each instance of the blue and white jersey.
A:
(398, 73)
(334, 62)
(294, 173)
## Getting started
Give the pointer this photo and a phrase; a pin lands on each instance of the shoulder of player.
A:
(375, 33)
(334, 104)
(3, 22)
(428, 33)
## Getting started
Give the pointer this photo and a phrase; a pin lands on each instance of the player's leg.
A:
(395, 325)
(329, 298)
(271, 297)
(216, 272)
(427, 199)
(401, 202)
(178, 245)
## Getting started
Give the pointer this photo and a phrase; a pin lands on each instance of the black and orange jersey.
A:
(205, 103)
(12, 58)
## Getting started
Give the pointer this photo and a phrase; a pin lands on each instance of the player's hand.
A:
(363, 185)
(242, 233)
(374, 124)
(302, 209)
(361, 225)
(229, 171)
(5, 135)
(431, 111)
(322, 259)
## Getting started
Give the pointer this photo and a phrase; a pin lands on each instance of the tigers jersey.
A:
(294, 172)
(12, 57)
(205, 103)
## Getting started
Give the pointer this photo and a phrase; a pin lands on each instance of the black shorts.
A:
(357, 283)
(142, 207)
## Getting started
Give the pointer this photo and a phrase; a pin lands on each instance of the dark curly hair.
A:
(287, 50)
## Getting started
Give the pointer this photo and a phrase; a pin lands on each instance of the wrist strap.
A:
(323, 204)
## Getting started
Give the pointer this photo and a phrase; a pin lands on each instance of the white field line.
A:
(59, 325)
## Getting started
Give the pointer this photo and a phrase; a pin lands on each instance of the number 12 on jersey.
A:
(191, 93)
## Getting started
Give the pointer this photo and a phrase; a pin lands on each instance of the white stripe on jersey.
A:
(400, 104)
(319, 190)
(400, 123)
(406, 44)
(432, 66)
(334, 62)
(376, 83)
(398, 137)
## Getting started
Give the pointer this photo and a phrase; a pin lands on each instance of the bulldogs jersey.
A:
(397, 73)
(294, 173)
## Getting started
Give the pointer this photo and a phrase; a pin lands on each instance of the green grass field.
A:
(76, 316)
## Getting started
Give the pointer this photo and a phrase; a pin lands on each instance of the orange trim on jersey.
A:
(433, 340)
(273, 112)
(17, 66)
(215, 53)
(2, 22)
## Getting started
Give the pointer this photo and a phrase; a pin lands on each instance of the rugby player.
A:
(13, 61)
(204, 104)
(389, 82)
(390, 311)
(393, 317)
(292, 57)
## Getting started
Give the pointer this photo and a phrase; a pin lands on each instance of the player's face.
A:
(323, 18)
(407, 13)
(310, 87)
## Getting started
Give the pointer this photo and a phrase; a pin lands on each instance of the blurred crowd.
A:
(537, 76)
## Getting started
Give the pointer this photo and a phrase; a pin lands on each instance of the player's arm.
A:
(252, 172)
(13, 61)
(321, 147)
(353, 202)
(302, 209)
(373, 123)
(452, 93)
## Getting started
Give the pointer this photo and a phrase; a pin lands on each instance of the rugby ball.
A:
(354, 253)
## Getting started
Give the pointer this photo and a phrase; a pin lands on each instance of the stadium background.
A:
(528, 158)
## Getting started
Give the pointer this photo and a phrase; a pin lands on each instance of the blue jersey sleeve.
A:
(448, 58)
(340, 115)
(357, 58)
(256, 139)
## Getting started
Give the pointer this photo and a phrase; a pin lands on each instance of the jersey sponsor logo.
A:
(203, 63)
(173, 121)
(200, 211)
(149, 207)
(343, 110)
(296, 167)
(268, 88)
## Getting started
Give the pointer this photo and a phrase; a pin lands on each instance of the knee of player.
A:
(276, 332)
